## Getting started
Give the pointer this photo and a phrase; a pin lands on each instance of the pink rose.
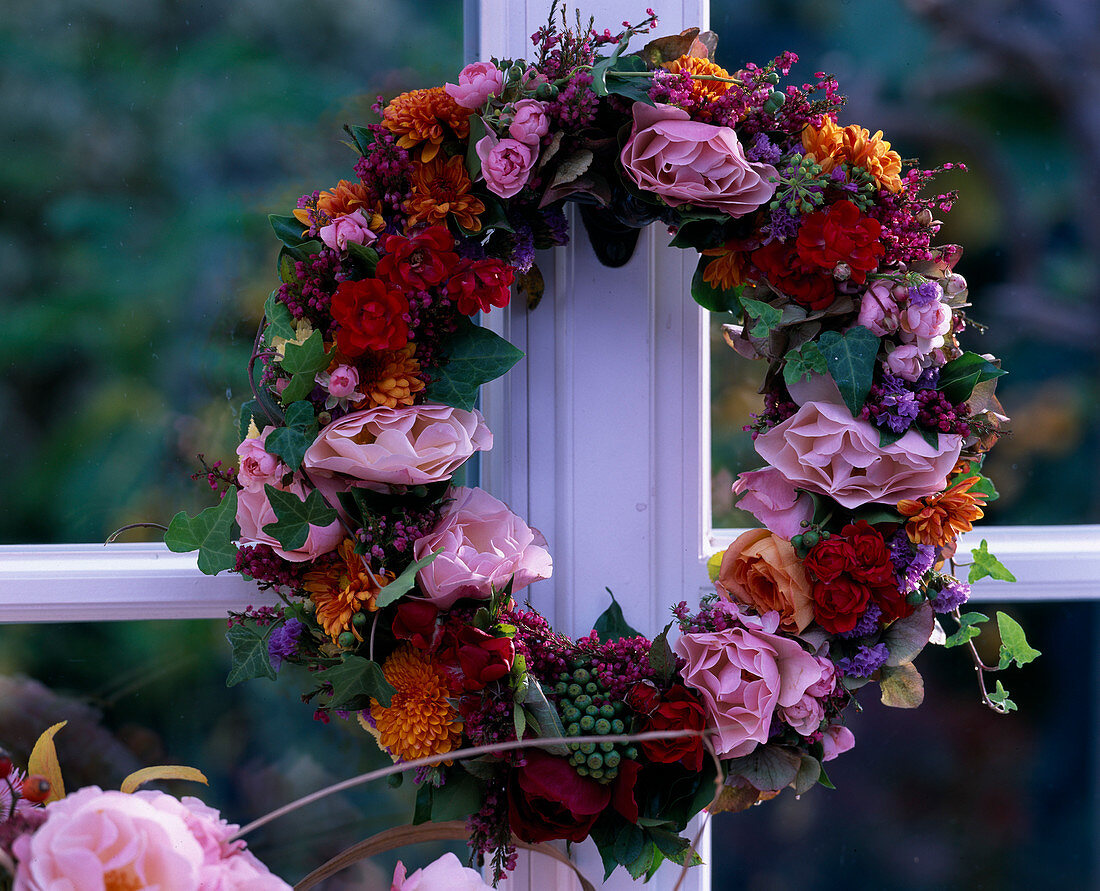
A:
(836, 740)
(258, 465)
(926, 324)
(689, 162)
(827, 684)
(483, 546)
(878, 310)
(505, 164)
(403, 446)
(445, 873)
(529, 122)
(805, 716)
(254, 511)
(770, 497)
(904, 361)
(351, 227)
(744, 674)
(343, 381)
(822, 448)
(476, 83)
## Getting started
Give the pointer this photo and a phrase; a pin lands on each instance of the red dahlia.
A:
(480, 285)
(841, 234)
(804, 284)
(419, 261)
(371, 316)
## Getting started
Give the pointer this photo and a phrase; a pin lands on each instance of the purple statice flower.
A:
(925, 293)
(523, 254)
(781, 226)
(928, 380)
(763, 150)
(910, 561)
(283, 642)
(557, 226)
(951, 596)
(899, 405)
(842, 182)
(868, 623)
(865, 662)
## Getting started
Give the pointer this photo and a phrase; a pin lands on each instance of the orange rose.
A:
(762, 570)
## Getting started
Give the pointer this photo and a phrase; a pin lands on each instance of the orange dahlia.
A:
(396, 381)
(342, 590)
(938, 520)
(701, 89)
(422, 116)
(728, 268)
(419, 721)
(831, 145)
(442, 187)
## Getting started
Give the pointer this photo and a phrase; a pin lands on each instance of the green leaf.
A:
(634, 88)
(886, 436)
(968, 629)
(906, 637)
(983, 486)
(1014, 645)
(422, 809)
(252, 411)
(932, 437)
(304, 251)
(768, 767)
(519, 721)
(478, 132)
(629, 844)
(711, 298)
(476, 356)
(1000, 697)
(802, 363)
(547, 718)
(697, 234)
(294, 516)
(280, 322)
(985, 564)
(355, 681)
(291, 442)
(250, 658)
(809, 772)
(959, 377)
(661, 658)
(456, 799)
(363, 137)
(674, 847)
(902, 687)
(211, 533)
(850, 358)
(612, 625)
(646, 862)
(305, 358)
(299, 387)
(404, 583)
(287, 272)
(287, 229)
(364, 254)
(766, 315)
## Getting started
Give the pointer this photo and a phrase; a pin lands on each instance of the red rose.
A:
(839, 604)
(415, 622)
(830, 558)
(371, 317)
(891, 601)
(622, 790)
(872, 564)
(476, 658)
(680, 710)
(643, 697)
(420, 261)
(479, 285)
(548, 799)
(841, 234)
(784, 270)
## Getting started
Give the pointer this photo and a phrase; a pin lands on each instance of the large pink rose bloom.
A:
(445, 873)
(822, 448)
(770, 497)
(254, 511)
(505, 164)
(744, 674)
(476, 83)
(483, 545)
(403, 446)
(688, 162)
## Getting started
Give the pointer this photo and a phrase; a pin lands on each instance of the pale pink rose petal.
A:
(351, 228)
(530, 122)
(836, 740)
(476, 83)
(254, 511)
(444, 874)
(770, 497)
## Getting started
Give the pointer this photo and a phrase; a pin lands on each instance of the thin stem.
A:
(111, 538)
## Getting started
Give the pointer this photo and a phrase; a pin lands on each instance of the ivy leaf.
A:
(968, 629)
(250, 656)
(355, 681)
(291, 442)
(363, 137)
(661, 658)
(960, 376)
(902, 687)
(211, 533)
(252, 411)
(612, 624)
(850, 358)
(476, 356)
(985, 564)
(299, 387)
(305, 358)
(1014, 645)
(1000, 697)
(280, 322)
(473, 159)
(404, 583)
(768, 768)
(710, 298)
(809, 772)
(802, 363)
(296, 516)
(766, 315)
(287, 229)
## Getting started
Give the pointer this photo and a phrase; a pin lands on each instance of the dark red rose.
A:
(476, 658)
(479, 285)
(622, 790)
(415, 622)
(547, 799)
(788, 275)
(841, 234)
(420, 261)
(872, 564)
(891, 601)
(643, 697)
(680, 710)
(830, 558)
(371, 316)
(839, 604)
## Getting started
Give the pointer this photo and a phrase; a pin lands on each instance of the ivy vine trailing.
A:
(401, 590)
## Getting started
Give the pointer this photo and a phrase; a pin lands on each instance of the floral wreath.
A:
(399, 587)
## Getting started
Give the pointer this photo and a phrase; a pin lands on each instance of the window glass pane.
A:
(945, 85)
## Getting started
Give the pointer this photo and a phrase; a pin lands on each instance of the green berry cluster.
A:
(807, 541)
(586, 710)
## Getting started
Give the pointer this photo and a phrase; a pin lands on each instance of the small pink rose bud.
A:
(343, 381)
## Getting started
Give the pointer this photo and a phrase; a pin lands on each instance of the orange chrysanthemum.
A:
(831, 145)
(701, 89)
(342, 590)
(422, 116)
(728, 268)
(397, 380)
(938, 520)
(344, 198)
(440, 188)
(419, 721)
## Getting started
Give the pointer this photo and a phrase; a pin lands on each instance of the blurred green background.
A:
(144, 143)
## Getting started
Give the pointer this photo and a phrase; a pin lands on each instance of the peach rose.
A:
(254, 511)
(761, 570)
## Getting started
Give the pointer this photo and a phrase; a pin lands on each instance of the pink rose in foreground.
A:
(476, 83)
(258, 465)
(351, 227)
(926, 324)
(744, 674)
(445, 873)
(904, 361)
(404, 446)
(484, 545)
(254, 511)
(530, 121)
(822, 448)
(689, 162)
(770, 497)
(836, 740)
(878, 311)
(505, 163)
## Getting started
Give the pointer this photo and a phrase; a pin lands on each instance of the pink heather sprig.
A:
(384, 170)
(576, 105)
(310, 294)
(260, 563)
(262, 616)
(221, 481)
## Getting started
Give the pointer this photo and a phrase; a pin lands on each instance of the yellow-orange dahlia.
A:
(342, 590)
(397, 380)
(422, 116)
(728, 268)
(440, 188)
(938, 520)
(831, 145)
(419, 721)
(701, 89)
